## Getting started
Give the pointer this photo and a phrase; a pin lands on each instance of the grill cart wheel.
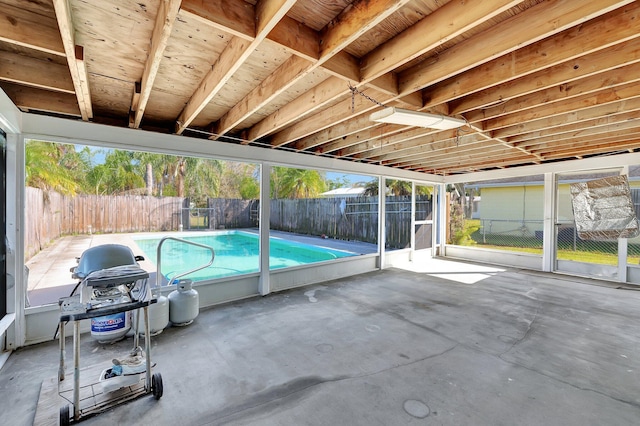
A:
(64, 415)
(156, 385)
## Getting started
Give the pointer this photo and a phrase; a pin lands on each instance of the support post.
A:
(548, 226)
(264, 286)
(382, 222)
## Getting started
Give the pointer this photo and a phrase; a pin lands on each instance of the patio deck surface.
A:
(447, 343)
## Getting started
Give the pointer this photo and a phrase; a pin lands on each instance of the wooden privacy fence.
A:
(50, 215)
(353, 218)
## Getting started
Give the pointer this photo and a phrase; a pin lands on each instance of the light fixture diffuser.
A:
(415, 118)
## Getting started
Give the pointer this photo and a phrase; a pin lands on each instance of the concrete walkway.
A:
(393, 347)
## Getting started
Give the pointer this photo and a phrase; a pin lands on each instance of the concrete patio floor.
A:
(464, 345)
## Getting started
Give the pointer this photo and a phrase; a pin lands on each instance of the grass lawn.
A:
(598, 252)
(577, 256)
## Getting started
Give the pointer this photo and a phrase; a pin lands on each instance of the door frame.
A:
(414, 222)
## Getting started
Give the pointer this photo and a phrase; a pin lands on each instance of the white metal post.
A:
(413, 221)
(16, 293)
(382, 222)
(623, 247)
(548, 226)
(264, 287)
(435, 225)
(443, 220)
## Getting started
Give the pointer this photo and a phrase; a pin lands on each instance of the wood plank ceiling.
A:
(536, 81)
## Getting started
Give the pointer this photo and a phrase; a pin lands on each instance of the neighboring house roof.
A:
(344, 192)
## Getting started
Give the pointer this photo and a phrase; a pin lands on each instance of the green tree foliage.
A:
(70, 170)
(288, 182)
(55, 167)
(118, 174)
(395, 187)
(341, 182)
(460, 230)
(199, 178)
(249, 188)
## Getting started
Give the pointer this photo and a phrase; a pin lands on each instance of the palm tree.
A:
(297, 183)
(118, 174)
(53, 166)
(395, 187)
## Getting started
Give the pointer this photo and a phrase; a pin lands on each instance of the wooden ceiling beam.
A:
(497, 161)
(75, 58)
(31, 30)
(347, 27)
(229, 61)
(471, 155)
(452, 60)
(590, 36)
(514, 33)
(231, 16)
(585, 66)
(409, 138)
(340, 112)
(33, 72)
(340, 132)
(582, 141)
(295, 37)
(444, 24)
(285, 76)
(574, 128)
(167, 13)
(571, 117)
(267, 15)
(436, 26)
(372, 133)
(574, 53)
(607, 80)
(602, 97)
(437, 149)
(33, 99)
(598, 146)
(588, 132)
(420, 147)
(501, 163)
(328, 91)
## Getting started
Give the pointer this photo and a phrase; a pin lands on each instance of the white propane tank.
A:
(184, 303)
(111, 328)
(158, 317)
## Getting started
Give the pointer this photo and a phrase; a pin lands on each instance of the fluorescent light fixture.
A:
(416, 118)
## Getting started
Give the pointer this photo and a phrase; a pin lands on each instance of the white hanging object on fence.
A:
(603, 209)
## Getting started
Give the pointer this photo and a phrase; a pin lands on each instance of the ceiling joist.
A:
(75, 58)
(536, 80)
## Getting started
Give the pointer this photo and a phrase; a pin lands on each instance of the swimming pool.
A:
(237, 252)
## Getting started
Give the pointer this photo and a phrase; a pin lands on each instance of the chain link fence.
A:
(508, 215)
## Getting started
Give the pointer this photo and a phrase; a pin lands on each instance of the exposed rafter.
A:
(75, 58)
(345, 29)
(267, 14)
(536, 80)
(159, 38)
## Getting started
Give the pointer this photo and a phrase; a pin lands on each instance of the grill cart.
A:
(128, 378)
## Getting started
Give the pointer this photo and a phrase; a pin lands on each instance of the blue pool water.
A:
(236, 253)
